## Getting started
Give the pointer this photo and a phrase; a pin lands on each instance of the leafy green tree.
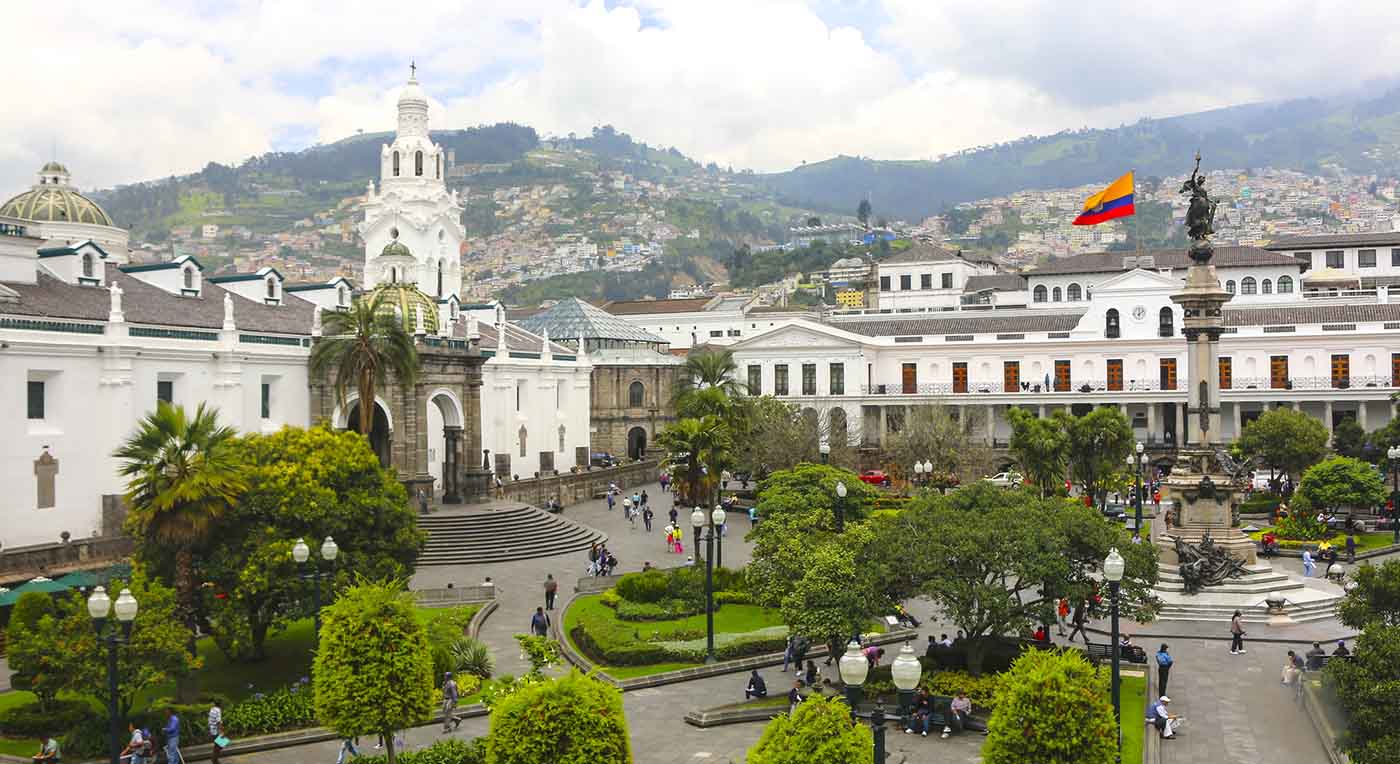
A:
(1375, 598)
(820, 730)
(1381, 440)
(1099, 443)
(575, 719)
(932, 434)
(833, 599)
(774, 435)
(1368, 687)
(1052, 707)
(1348, 439)
(863, 211)
(1284, 440)
(373, 668)
(708, 369)
(995, 561)
(1341, 483)
(301, 484)
(699, 450)
(542, 652)
(363, 346)
(182, 475)
(29, 640)
(1041, 447)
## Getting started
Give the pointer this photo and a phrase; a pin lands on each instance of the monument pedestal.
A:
(1205, 505)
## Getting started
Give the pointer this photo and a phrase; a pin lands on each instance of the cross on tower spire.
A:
(413, 70)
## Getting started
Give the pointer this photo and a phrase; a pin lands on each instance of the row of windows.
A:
(906, 282)
(1072, 293)
(1365, 258)
(38, 392)
(418, 164)
(1249, 286)
(836, 379)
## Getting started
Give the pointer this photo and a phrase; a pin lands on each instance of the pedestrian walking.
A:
(1079, 623)
(539, 623)
(646, 516)
(1351, 547)
(644, 497)
(551, 589)
(1164, 668)
(172, 737)
(610, 501)
(449, 704)
(1237, 633)
(673, 515)
(787, 653)
(347, 746)
(1062, 614)
(216, 732)
(1308, 565)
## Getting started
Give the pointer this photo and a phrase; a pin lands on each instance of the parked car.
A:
(1005, 479)
(875, 477)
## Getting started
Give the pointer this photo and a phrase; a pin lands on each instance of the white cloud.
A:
(143, 89)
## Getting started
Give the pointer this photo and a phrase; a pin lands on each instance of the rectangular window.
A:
(947, 281)
(809, 379)
(909, 378)
(1166, 373)
(519, 394)
(1011, 377)
(1062, 376)
(926, 281)
(780, 379)
(1366, 258)
(1278, 372)
(1304, 259)
(1395, 258)
(838, 379)
(1115, 374)
(884, 283)
(36, 399)
(906, 283)
(755, 379)
(1395, 369)
(266, 402)
(959, 377)
(1227, 374)
(716, 332)
(1341, 370)
(1336, 259)
(165, 390)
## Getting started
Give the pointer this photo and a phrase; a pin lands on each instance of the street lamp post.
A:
(854, 669)
(302, 553)
(825, 450)
(1394, 453)
(1140, 459)
(1113, 573)
(100, 607)
(918, 472)
(719, 537)
(906, 671)
(697, 521)
(840, 506)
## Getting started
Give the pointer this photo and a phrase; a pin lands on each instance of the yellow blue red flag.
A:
(1116, 201)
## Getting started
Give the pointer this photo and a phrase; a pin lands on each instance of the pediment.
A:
(800, 334)
(1138, 280)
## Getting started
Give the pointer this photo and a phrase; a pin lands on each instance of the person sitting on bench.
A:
(920, 713)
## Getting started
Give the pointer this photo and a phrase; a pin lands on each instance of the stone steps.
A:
(1318, 610)
(499, 535)
(1261, 580)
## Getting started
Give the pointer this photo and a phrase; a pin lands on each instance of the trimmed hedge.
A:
(662, 610)
(576, 719)
(28, 720)
(288, 708)
(649, 587)
(449, 751)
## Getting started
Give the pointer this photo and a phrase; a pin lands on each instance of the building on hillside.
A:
(1251, 274)
(853, 299)
(1365, 261)
(835, 233)
(1120, 344)
(926, 277)
(633, 374)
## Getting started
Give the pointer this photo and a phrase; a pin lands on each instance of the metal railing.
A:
(1310, 383)
(997, 388)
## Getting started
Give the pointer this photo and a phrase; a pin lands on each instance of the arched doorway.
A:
(444, 431)
(379, 435)
(636, 443)
(840, 429)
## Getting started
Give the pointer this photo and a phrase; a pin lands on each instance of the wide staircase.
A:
(479, 536)
(1305, 602)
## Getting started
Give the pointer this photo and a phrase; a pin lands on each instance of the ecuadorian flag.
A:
(1116, 201)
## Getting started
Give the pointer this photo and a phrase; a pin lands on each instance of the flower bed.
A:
(595, 630)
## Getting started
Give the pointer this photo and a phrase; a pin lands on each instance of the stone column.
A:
(1361, 415)
(1239, 418)
(884, 425)
(1180, 423)
(1152, 421)
(1327, 416)
(452, 466)
(1042, 411)
(991, 424)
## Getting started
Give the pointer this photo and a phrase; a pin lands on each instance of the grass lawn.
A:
(1364, 541)
(632, 672)
(1132, 691)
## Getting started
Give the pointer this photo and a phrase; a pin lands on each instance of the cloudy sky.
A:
(141, 89)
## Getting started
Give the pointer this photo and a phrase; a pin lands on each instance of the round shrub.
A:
(572, 720)
(819, 730)
(1052, 706)
(643, 587)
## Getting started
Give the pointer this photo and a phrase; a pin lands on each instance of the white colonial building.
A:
(692, 321)
(54, 211)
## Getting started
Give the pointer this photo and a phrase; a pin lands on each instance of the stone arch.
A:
(381, 434)
(418, 164)
(1073, 293)
(636, 397)
(839, 426)
(443, 419)
(87, 265)
(1056, 295)
(637, 443)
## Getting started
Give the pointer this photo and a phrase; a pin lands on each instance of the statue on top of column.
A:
(1200, 215)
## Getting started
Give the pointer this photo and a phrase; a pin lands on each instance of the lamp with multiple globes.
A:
(100, 607)
(301, 553)
(1113, 566)
(698, 520)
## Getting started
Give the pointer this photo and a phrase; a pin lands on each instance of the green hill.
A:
(1360, 134)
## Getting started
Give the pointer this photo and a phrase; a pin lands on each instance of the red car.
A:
(875, 477)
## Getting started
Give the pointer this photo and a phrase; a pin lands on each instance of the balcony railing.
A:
(997, 388)
(1308, 383)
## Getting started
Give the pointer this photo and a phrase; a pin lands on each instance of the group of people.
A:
(957, 718)
(141, 745)
(601, 562)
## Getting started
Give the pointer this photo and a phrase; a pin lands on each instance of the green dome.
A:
(52, 166)
(395, 248)
(405, 297)
(55, 204)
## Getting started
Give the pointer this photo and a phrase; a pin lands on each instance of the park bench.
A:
(1098, 651)
(1319, 662)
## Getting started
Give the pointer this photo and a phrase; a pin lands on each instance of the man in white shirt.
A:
(1165, 721)
(136, 747)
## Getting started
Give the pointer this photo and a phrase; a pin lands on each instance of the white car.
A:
(1005, 479)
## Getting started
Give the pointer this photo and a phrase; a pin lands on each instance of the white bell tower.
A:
(412, 205)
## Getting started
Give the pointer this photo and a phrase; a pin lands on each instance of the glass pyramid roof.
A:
(571, 318)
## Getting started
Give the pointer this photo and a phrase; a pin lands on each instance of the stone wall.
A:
(574, 487)
(613, 417)
(25, 562)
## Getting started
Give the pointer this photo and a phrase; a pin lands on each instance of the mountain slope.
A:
(1359, 134)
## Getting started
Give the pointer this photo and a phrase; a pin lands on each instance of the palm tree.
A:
(706, 384)
(700, 449)
(363, 345)
(181, 474)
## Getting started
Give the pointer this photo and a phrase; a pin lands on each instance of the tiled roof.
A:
(572, 317)
(997, 282)
(922, 252)
(1335, 241)
(517, 338)
(967, 323)
(645, 307)
(143, 303)
(1313, 314)
(1112, 262)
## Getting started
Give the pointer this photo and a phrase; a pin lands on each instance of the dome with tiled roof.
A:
(54, 200)
(404, 298)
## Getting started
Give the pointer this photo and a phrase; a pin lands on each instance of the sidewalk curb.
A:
(1226, 638)
(479, 618)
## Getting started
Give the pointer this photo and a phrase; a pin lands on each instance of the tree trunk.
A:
(186, 686)
(389, 746)
(976, 651)
(366, 403)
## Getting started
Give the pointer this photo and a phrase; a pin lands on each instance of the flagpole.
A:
(1137, 222)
